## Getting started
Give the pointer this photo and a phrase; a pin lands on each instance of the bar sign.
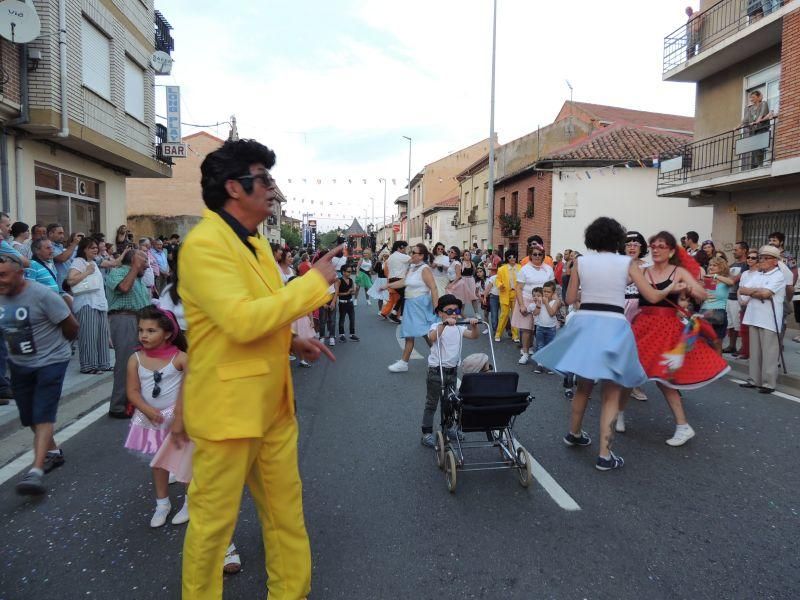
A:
(173, 114)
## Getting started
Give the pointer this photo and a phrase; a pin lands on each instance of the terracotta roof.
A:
(621, 142)
(449, 203)
(204, 134)
(615, 114)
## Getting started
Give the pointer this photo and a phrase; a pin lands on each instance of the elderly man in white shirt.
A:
(763, 316)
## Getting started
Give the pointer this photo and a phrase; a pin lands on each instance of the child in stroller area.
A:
(446, 342)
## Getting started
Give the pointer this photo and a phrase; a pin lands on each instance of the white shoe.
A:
(160, 515)
(369, 302)
(523, 360)
(172, 478)
(331, 341)
(292, 357)
(638, 394)
(682, 435)
(400, 366)
(355, 302)
(619, 427)
(497, 339)
(182, 516)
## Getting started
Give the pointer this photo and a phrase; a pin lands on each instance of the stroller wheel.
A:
(439, 450)
(524, 467)
(450, 470)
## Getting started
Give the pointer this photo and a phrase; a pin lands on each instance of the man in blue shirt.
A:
(62, 255)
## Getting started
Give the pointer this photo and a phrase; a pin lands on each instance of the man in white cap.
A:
(764, 316)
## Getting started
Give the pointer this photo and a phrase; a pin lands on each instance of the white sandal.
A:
(232, 563)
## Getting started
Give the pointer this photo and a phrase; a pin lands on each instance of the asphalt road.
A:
(717, 518)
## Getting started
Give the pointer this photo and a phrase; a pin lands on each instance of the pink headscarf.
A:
(168, 349)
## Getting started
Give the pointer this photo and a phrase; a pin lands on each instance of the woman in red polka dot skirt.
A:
(659, 332)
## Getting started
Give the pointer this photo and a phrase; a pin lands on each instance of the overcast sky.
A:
(334, 85)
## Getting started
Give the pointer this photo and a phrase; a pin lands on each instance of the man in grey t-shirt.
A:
(37, 326)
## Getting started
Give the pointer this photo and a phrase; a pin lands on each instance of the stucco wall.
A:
(727, 224)
(720, 98)
(628, 196)
(180, 195)
(112, 188)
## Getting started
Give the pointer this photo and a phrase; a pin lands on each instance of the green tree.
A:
(291, 236)
(328, 239)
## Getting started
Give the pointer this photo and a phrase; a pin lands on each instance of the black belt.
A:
(602, 307)
(632, 296)
(445, 369)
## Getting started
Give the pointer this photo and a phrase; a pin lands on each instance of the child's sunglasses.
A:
(452, 311)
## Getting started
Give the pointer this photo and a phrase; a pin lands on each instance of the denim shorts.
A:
(544, 335)
(37, 391)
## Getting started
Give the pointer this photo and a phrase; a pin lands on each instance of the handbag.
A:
(86, 285)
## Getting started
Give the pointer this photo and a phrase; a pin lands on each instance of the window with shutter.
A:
(96, 60)
(134, 89)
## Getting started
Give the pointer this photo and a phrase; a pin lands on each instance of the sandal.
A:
(232, 563)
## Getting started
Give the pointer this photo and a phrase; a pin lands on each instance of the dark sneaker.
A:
(748, 384)
(31, 485)
(53, 460)
(342, 338)
(765, 390)
(607, 464)
(394, 319)
(428, 440)
(573, 440)
(355, 338)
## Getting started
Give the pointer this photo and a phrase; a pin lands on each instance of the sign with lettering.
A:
(173, 113)
(161, 62)
(172, 150)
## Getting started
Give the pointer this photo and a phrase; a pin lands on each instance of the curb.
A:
(10, 427)
(788, 383)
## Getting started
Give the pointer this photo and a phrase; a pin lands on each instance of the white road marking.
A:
(402, 342)
(550, 485)
(25, 460)
(775, 393)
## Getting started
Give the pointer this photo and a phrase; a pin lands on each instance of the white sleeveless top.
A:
(603, 276)
(415, 285)
(170, 384)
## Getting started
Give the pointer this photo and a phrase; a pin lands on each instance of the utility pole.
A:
(490, 190)
(409, 177)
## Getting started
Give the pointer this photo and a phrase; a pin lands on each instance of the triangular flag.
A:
(289, 180)
(588, 176)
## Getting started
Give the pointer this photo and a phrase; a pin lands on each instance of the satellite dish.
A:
(19, 22)
(161, 62)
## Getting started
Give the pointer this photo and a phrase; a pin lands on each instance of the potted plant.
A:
(509, 225)
(529, 212)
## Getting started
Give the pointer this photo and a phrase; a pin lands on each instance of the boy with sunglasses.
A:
(445, 338)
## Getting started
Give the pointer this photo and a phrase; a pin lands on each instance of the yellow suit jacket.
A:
(503, 281)
(239, 315)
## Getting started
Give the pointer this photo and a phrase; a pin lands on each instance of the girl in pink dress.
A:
(155, 375)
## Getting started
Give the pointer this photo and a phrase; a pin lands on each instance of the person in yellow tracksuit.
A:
(506, 283)
(238, 403)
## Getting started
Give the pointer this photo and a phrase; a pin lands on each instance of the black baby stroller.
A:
(487, 403)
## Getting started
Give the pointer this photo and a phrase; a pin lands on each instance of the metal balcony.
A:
(161, 138)
(713, 34)
(721, 161)
(163, 37)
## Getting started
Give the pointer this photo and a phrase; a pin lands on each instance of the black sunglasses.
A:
(156, 387)
(265, 178)
(452, 311)
(752, 258)
(536, 254)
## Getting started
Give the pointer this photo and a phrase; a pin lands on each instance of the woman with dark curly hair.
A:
(597, 343)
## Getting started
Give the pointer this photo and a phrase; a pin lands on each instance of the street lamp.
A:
(409, 173)
(490, 190)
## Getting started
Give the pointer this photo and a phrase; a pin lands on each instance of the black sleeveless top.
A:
(345, 287)
(670, 301)
(467, 271)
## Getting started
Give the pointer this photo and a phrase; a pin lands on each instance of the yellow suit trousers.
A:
(269, 467)
(505, 311)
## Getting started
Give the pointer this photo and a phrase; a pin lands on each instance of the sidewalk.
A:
(75, 384)
(791, 354)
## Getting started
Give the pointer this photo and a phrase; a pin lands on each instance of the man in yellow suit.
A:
(506, 284)
(238, 403)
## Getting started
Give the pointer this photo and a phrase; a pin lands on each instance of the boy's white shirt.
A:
(450, 341)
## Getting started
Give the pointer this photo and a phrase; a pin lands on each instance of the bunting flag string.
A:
(586, 174)
(318, 180)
